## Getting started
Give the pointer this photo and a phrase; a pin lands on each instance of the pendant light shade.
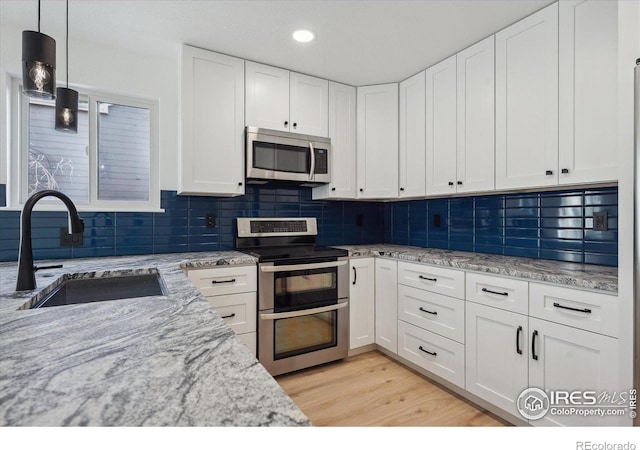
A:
(67, 99)
(66, 110)
(38, 64)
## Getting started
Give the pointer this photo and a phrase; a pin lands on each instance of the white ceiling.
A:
(358, 42)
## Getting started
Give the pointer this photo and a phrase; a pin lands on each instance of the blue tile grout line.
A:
(548, 225)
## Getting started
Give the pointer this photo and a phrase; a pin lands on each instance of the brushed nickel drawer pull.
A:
(427, 278)
(429, 312)
(585, 310)
(494, 292)
(427, 351)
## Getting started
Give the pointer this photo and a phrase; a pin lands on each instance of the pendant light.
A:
(67, 99)
(38, 63)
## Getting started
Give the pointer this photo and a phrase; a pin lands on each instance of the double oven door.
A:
(303, 317)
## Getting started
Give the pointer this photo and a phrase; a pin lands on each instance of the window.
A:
(110, 164)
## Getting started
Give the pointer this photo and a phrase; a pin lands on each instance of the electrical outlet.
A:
(211, 220)
(437, 220)
(70, 240)
(359, 220)
(600, 221)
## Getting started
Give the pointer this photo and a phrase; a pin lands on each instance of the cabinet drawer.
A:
(224, 280)
(238, 310)
(432, 352)
(249, 339)
(589, 311)
(435, 279)
(504, 293)
(433, 312)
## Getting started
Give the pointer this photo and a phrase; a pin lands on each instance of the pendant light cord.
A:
(38, 16)
(67, 44)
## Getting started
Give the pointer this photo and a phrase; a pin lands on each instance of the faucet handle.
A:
(57, 266)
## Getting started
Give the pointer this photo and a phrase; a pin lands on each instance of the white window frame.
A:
(18, 178)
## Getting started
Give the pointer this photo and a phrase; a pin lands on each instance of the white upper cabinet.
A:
(287, 101)
(267, 96)
(476, 118)
(377, 141)
(342, 131)
(412, 136)
(588, 91)
(212, 153)
(441, 127)
(527, 101)
(308, 105)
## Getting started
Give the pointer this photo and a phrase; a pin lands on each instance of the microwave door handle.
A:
(313, 161)
(304, 312)
(292, 267)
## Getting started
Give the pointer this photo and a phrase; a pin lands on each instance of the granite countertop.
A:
(166, 360)
(583, 276)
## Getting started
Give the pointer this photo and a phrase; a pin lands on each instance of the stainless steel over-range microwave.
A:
(283, 156)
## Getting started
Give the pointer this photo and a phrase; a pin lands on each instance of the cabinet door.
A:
(572, 360)
(496, 355)
(412, 136)
(387, 304)
(212, 154)
(342, 131)
(476, 118)
(309, 105)
(267, 97)
(527, 101)
(441, 127)
(588, 91)
(377, 143)
(362, 303)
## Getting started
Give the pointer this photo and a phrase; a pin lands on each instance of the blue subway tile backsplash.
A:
(550, 225)
(183, 226)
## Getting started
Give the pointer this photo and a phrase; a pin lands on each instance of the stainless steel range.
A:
(303, 293)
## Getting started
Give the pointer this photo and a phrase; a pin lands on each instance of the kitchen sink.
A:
(88, 290)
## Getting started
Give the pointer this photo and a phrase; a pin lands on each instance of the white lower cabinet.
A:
(494, 336)
(439, 355)
(508, 351)
(231, 291)
(387, 304)
(496, 355)
(239, 311)
(433, 312)
(362, 303)
(568, 359)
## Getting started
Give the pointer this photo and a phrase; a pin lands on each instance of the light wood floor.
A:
(373, 390)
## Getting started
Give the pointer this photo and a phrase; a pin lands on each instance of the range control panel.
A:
(252, 227)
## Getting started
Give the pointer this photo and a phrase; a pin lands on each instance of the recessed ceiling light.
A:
(303, 35)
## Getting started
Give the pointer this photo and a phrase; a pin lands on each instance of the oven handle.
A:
(287, 268)
(305, 312)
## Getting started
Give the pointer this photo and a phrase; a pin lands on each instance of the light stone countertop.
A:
(583, 276)
(171, 360)
(166, 360)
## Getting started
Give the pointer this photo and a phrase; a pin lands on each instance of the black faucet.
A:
(26, 269)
